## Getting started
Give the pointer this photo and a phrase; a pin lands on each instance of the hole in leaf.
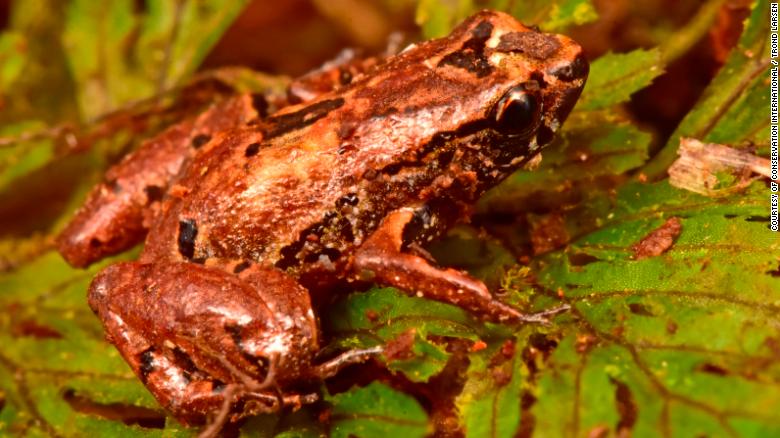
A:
(640, 309)
(582, 259)
(126, 413)
(626, 407)
(711, 368)
(31, 328)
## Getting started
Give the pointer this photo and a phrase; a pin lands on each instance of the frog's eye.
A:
(518, 111)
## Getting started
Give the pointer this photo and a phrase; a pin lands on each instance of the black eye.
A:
(518, 111)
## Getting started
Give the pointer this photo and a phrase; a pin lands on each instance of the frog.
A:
(249, 215)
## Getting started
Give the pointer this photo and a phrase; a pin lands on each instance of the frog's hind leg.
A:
(198, 336)
(381, 259)
(119, 210)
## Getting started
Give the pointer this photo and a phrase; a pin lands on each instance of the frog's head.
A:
(531, 80)
(494, 90)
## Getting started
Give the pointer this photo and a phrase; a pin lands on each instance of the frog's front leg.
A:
(381, 259)
(206, 341)
(118, 211)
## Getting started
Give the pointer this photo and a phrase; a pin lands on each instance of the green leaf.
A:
(674, 332)
(377, 410)
(614, 78)
(491, 401)
(438, 17)
(12, 48)
(57, 373)
(733, 108)
(379, 316)
(119, 53)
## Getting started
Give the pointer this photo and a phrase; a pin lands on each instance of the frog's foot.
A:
(382, 260)
(190, 332)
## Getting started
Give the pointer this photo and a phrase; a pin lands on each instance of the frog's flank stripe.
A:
(188, 231)
(280, 125)
(471, 56)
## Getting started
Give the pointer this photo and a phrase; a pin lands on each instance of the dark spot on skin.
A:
(471, 56)
(345, 77)
(260, 104)
(199, 140)
(482, 31)
(348, 199)
(392, 169)
(188, 231)
(153, 194)
(114, 186)
(578, 69)
(252, 150)
(332, 253)
(126, 413)
(712, 369)
(345, 148)
(289, 255)
(582, 259)
(774, 272)
(757, 219)
(730, 216)
(199, 260)
(422, 219)
(534, 44)
(95, 243)
(146, 363)
(235, 334)
(539, 78)
(544, 135)
(285, 123)
(345, 230)
(309, 241)
(184, 362)
(241, 267)
(640, 309)
(217, 386)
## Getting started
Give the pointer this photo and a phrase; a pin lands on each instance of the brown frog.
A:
(246, 216)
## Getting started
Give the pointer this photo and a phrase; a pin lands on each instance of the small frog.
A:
(247, 216)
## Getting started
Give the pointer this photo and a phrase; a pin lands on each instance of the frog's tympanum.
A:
(246, 214)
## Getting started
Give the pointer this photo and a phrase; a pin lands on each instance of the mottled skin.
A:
(343, 187)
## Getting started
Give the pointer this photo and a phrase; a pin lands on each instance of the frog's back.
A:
(313, 181)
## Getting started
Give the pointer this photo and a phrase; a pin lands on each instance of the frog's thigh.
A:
(189, 393)
(176, 388)
(381, 255)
